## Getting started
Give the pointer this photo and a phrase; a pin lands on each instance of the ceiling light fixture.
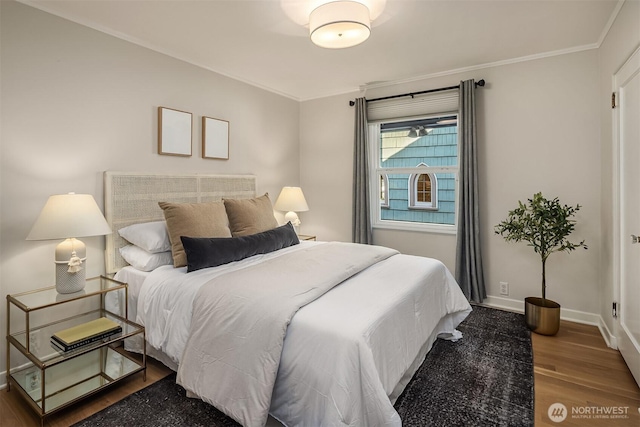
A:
(422, 131)
(340, 24)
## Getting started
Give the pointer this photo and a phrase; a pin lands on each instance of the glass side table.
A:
(50, 379)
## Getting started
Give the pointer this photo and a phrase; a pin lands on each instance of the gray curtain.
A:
(361, 219)
(469, 271)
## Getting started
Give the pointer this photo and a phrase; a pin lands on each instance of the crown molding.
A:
(483, 66)
(610, 22)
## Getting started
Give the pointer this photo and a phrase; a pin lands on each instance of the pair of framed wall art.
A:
(175, 139)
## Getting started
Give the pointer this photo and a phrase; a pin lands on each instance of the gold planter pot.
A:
(542, 316)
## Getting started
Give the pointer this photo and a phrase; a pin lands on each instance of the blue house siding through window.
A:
(438, 148)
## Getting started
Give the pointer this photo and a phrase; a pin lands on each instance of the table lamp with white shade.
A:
(291, 200)
(68, 216)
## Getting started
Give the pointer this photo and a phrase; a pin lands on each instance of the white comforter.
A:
(250, 310)
(345, 352)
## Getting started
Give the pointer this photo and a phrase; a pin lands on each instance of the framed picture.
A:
(215, 138)
(174, 132)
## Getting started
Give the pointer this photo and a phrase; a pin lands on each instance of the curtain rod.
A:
(412, 94)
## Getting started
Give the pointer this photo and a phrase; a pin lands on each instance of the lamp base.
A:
(70, 279)
(292, 217)
(68, 283)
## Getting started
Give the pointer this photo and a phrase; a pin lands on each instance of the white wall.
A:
(621, 41)
(326, 164)
(77, 102)
(538, 130)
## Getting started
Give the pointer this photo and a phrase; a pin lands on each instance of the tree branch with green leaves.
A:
(545, 225)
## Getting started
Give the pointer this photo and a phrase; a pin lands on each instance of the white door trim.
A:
(623, 75)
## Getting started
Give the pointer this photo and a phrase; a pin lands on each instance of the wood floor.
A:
(574, 368)
(14, 411)
(577, 369)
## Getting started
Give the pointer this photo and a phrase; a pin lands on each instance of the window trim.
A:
(375, 170)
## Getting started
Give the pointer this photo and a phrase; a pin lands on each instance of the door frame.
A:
(619, 78)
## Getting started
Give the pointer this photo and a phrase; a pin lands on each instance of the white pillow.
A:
(150, 236)
(143, 260)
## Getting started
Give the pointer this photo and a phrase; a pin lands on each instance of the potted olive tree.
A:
(545, 225)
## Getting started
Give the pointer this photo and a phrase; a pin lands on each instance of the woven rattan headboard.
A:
(131, 198)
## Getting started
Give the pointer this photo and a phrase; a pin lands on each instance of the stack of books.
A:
(86, 333)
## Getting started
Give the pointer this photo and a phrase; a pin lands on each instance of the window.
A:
(423, 190)
(414, 172)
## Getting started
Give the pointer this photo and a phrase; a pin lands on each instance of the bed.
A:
(313, 333)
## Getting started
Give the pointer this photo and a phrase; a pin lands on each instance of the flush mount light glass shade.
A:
(340, 24)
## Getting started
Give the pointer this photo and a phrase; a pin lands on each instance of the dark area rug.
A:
(485, 379)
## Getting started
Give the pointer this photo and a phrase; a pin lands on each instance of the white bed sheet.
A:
(114, 301)
(402, 320)
(135, 279)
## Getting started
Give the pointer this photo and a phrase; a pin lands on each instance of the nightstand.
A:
(50, 379)
(306, 237)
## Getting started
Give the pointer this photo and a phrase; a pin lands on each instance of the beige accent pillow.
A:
(193, 220)
(250, 216)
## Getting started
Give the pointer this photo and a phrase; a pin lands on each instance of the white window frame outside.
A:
(413, 191)
(375, 171)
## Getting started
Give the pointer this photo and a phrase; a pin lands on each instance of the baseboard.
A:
(609, 337)
(576, 316)
(504, 304)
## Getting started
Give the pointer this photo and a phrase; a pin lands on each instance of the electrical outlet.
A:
(32, 380)
(504, 288)
(33, 342)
